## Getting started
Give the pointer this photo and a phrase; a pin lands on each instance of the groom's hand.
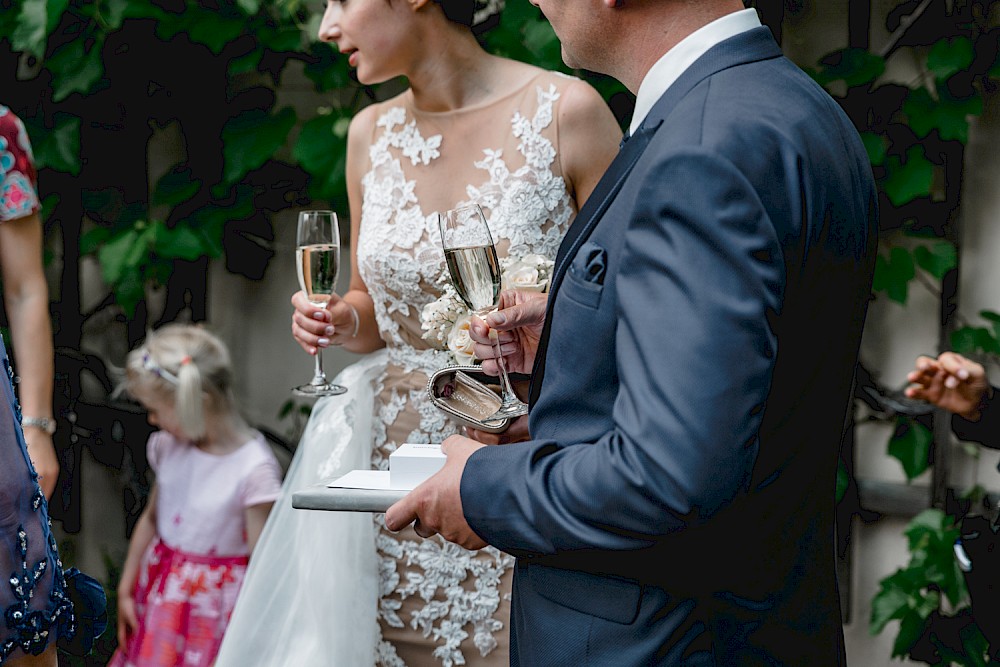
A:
(436, 505)
(519, 321)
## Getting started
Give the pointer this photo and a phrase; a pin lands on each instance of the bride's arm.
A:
(352, 316)
(588, 139)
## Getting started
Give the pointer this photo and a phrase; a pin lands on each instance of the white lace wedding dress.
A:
(304, 601)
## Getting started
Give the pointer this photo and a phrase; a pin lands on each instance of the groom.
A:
(691, 381)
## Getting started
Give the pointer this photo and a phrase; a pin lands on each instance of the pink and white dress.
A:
(191, 574)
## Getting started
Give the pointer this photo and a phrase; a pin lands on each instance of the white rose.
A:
(523, 276)
(460, 343)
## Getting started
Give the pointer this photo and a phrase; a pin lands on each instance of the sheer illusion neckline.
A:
(479, 106)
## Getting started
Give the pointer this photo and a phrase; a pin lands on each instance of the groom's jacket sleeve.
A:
(700, 281)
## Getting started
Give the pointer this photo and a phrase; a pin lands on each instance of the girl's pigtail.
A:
(190, 399)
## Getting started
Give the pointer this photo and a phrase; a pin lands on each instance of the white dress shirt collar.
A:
(674, 62)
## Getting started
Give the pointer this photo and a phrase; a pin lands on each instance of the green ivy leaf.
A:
(853, 66)
(541, 41)
(130, 290)
(245, 63)
(949, 56)
(906, 181)
(251, 7)
(210, 221)
(322, 151)
(875, 146)
(911, 446)
(936, 258)
(8, 23)
(970, 341)
(32, 32)
(929, 521)
(281, 39)
(328, 69)
(75, 69)
(843, 480)
(911, 627)
(181, 242)
(215, 29)
(175, 187)
(125, 252)
(60, 148)
(92, 239)
(994, 320)
(49, 204)
(892, 602)
(894, 273)
(251, 138)
(113, 13)
(947, 114)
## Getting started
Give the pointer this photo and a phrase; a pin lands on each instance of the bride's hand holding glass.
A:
(316, 327)
(317, 265)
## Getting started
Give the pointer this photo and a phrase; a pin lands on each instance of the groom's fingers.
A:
(402, 513)
(420, 530)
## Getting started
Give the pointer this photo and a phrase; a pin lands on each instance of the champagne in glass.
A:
(475, 274)
(318, 268)
(317, 260)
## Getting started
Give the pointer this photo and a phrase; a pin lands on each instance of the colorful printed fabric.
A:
(18, 197)
(184, 603)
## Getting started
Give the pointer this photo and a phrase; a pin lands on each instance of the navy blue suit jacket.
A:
(676, 503)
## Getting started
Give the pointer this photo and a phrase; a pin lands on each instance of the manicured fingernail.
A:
(328, 331)
(318, 315)
(496, 318)
(951, 382)
(323, 342)
(962, 373)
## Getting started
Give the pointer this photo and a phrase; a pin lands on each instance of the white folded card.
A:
(409, 465)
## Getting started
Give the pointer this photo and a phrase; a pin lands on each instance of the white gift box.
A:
(412, 463)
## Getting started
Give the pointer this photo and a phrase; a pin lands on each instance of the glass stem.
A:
(319, 377)
(508, 397)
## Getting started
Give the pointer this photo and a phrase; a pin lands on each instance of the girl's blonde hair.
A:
(188, 363)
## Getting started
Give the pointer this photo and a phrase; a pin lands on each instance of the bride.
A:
(528, 145)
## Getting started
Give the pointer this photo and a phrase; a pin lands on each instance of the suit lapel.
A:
(753, 45)
(599, 200)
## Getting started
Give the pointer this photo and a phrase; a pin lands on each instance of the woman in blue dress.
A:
(43, 607)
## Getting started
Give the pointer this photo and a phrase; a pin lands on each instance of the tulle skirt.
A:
(311, 591)
(184, 602)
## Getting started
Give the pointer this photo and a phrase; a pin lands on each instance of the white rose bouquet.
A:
(445, 321)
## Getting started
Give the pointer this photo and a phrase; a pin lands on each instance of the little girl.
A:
(216, 480)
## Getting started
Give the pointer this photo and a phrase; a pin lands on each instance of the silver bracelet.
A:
(47, 424)
(357, 320)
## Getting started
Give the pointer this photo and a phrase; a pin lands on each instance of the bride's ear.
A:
(417, 4)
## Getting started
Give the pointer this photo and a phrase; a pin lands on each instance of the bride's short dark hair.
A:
(459, 11)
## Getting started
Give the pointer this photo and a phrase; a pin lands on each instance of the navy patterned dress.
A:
(36, 607)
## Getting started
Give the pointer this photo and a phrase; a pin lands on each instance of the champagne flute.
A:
(475, 274)
(317, 260)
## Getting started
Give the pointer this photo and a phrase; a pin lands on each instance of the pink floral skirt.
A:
(184, 602)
